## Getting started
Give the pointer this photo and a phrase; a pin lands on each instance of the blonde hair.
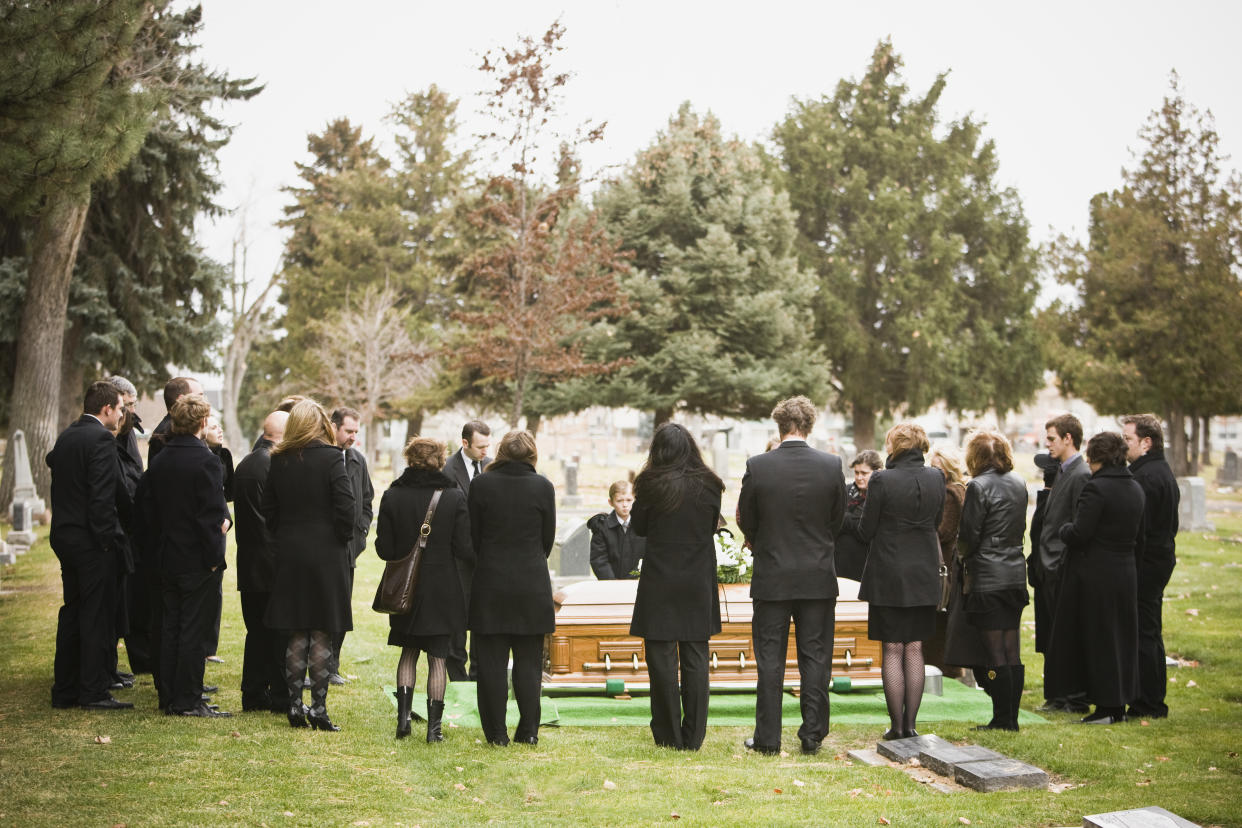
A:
(905, 436)
(189, 413)
(988, 450)
(950, 462)
(424, 453)
(618, 487)
(515, 447)
(307, 423)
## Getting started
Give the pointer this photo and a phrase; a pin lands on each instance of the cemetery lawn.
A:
(72, 767)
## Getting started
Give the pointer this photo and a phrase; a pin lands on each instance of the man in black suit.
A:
(465, 464)
(263, 679)
(133, 617)
(92, 549)
(186, 518)
(790, 508)
(1144, 437)
(347, 421)
(174, 389)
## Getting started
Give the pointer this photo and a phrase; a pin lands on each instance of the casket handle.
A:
(635, 655)
(607, 662)
(741, 660)
(715, 664)
(849, 659)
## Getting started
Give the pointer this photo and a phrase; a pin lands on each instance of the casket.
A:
(592, 644)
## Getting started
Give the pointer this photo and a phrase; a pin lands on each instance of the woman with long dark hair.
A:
(513, 525)
(308, 505)
(989, 547)
(901, 585)
(677, 609)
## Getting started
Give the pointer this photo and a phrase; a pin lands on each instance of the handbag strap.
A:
(425, 531)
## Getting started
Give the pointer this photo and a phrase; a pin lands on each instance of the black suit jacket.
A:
(86, 489)
(364, 500)
(256, 556)
(455, 468)
(183, 506)
(1163, 501)
(159, 437)
(791, 507)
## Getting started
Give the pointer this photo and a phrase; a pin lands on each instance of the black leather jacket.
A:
(989, 539)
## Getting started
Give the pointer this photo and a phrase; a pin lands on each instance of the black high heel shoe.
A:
(321, 721)
(297, 714)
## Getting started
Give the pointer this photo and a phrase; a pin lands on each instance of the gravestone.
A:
(1193, 516)
(991, 775)
(1151, 817)
(8, 555)
(903, 750)
(943, 760)
(23, 481)
(1228, 474)
(576, 552)
(720, 454)
(22, 535)
(870, 758)
(571, 498)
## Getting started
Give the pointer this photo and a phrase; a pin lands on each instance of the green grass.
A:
(254, 770)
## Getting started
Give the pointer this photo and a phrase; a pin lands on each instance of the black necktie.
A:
(476, 468)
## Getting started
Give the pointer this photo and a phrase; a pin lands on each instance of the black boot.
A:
(1017, 675)
(435, 712)
(404, 696)
(995, 682)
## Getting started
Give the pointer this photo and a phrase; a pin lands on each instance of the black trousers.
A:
(457, 670)
(263, 662)
(1153, 577)
(85, 628)
(678, 708)
(813, 634)
(492, 691)
(189, 601)
(338, 639)
(138, 639)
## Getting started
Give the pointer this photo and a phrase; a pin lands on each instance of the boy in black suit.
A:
(615, 550)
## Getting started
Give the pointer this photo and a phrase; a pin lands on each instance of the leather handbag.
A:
(395, 594)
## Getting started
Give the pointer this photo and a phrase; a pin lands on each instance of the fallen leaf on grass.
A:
(777, 790)
(362, 823)
(799, 783)
(963, 820)
(459, 768)
(1233, 754)
(675, 815)
(235, 735)
(459, 786)
(288, 813)
(476, 799)
(1058, 787)
(103, 740)
(883, 821)
(1192, 612)
(1144, 783)
(1191, 683)
(1144, 723)
(1162, 758)
(223, 802)
(1211, 767)
(609, 785)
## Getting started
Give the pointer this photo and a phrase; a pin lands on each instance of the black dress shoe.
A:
(749, 744)
(890, 735)
(108, 703)
(810, 746)
(210, 688)
(320, 721)
(337, 679)
(1106, 718)
(526, 740)
(203, 711)
(124, 676)
(498, 742)
(1052, 706)
(120, 684)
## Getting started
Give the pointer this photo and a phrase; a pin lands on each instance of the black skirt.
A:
(900, 624)
(999, 609)
(436, 646)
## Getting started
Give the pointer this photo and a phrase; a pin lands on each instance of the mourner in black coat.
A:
(512, 527)
(308, 505)
(87, 538)
(616, 549)
(1095, 635)
(791, 508)
(346, 421)
(1144, 437)
(677, 606)
(901, 583)
(463, 466)
(174, 389)
(263, 663)
(186, 518)
(438, 612)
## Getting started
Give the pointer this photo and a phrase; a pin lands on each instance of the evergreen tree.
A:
(926, 277)
(1154, 325)
(720, 319)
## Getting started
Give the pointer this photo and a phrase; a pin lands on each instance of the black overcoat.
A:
(1161, 510)
(790, 508)
(309, 506)
(851, 549)
(901, 518)
(256, 553)
(678, 599)
(1094, 643)
(184, 507)
(512, 526)
(615, 552)
(439, 602)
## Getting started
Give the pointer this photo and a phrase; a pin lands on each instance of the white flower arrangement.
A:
(733, 561)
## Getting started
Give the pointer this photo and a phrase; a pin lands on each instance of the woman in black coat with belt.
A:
(677, 608)
(1094, 644)
(438, 611)
(513, 526)
(901, 582)
(308, 506)
(989, 547)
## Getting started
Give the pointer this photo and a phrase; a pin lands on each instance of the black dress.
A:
(308, 505)
(901, 582)
(1094, 643)
(439, 608)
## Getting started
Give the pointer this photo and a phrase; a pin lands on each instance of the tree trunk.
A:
(414, 424)
(533, 421)
(36, 379)
(72, 375)
(1206, 457)
(1177, 443)
(662, 415)
(1194, 444)
(864, 426)
(235, 364)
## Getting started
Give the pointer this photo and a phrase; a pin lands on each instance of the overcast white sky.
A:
(1063, 87)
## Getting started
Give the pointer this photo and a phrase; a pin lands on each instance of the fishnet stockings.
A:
(437, 675)
(901, 671)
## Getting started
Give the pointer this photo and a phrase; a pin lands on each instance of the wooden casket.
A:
(592, 647)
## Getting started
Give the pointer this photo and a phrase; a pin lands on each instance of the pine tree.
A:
(926, 277)
(720, 319)
(1154, 325)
